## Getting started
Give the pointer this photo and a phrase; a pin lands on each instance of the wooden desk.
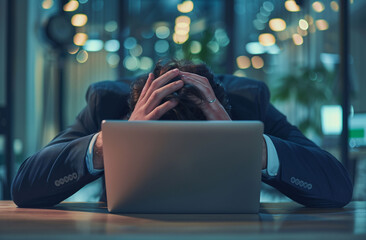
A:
(92, 221)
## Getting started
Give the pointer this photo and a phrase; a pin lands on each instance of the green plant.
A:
(309, 89)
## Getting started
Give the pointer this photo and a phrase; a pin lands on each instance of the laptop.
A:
(182, 166)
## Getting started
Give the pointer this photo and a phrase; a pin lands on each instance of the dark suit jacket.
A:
(307, 174)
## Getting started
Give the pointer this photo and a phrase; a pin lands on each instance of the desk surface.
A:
(92, 221)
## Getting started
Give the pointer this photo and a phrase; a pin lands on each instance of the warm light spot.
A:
(303, 24)
(266, 39)
(180, 39)
(292, 6)
(334, 5)
(182, 25)
(185, 7)
(73, 49)
(47, 4)
(257, 62)
(318, 6)
(181, 30)
(79, 20)
(183, 19)
(297, 38)
(351, 1)
(71, 6)
(321, 24)
(243, 62)
(80, 39)
(82, 56)
(277, 24)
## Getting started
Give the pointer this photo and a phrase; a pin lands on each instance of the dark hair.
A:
(186, 108)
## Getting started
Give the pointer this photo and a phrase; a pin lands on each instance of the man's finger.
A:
(158, 95)
(205, 89)
(147, 85)
(159, 111)
(161, 81)
(195, 76)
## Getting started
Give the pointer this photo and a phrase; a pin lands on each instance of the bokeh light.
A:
(73, 49)
(79, 20)
(180, 39)
(93, 45)
(113, 60)
(146, 63)
(71, 6)
(321, 24)
(112, 45)
(195, 47)
(47, 4)
(297, 38)
(257, 62)
(161, 46)
(131, 63)
(111, 26)
(185, 7)
(82, 56)
(267, 39)
(277, 24)
(162, 32)
(303, 24)
(243, 62)
(318, 6)
(130, 42)
(334, 6)
(80, 39)
(292, 6)
(213, 46)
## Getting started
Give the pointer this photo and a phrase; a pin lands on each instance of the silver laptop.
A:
(182, 166)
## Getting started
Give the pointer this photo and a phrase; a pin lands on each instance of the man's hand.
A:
(147, 107)
(98, 162)
(211, 107)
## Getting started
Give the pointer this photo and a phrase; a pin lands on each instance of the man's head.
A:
(187, 109)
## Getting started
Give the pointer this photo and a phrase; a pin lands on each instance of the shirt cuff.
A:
(273, 163)
(89, 157)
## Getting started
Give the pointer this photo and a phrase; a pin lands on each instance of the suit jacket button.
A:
(57, 183)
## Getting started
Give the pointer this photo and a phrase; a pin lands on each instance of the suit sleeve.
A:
(59, 169)
(307, 174)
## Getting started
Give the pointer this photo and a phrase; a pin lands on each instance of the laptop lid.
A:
(182, 166)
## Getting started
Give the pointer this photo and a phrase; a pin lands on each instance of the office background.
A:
(52, 50)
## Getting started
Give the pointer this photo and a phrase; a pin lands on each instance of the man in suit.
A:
(185, 91)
